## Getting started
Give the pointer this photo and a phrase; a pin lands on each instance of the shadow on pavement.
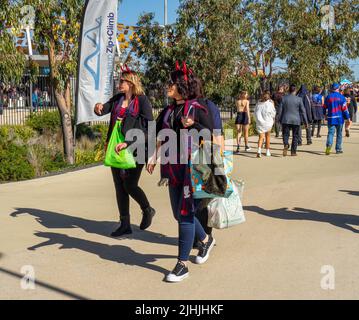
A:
(114, 253)
(352, 193)
(55, 220)
(338, 220)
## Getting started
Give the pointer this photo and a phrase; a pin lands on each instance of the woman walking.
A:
(177, 174)
(352, 108)
(133, 108)
(264, 114)
(243, 120)
(317, 110)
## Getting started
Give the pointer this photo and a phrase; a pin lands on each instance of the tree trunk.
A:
(63, 100)
(67, 131)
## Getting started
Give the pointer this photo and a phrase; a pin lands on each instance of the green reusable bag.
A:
(122, 160)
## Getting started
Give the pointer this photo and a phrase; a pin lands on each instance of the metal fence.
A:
(16, 102)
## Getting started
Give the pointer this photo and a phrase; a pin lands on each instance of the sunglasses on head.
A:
(123, 80)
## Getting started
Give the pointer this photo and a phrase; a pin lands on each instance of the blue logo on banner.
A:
(94, 35)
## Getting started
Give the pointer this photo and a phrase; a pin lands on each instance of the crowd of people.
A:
(190, 109)
(17, 97)
(288, 109)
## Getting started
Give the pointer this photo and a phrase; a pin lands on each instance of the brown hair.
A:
(243, 95)
(132, 77)
(265, 96)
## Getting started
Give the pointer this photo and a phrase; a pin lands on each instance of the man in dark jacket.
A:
(304, 94)
(291, 114)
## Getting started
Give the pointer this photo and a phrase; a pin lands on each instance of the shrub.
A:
(47, 121)
(14, 163)
(11, 133)
(230, 125)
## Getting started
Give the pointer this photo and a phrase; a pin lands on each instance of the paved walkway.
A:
(302, 215)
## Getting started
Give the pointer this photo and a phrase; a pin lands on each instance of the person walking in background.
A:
(264, 114)
(335, 111)
(304, 94)
(277, 98)
(35, 99)
(243, 120)
(291, 113)
(317, 110)
(352, 108)
(133, 108)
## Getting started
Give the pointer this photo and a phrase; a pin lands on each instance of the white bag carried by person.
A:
(227, 212)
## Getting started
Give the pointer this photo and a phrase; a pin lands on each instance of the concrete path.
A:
(301, 235)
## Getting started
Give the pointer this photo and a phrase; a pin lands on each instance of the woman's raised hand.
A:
(98, 108)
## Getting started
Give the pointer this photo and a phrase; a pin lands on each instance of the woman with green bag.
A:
(130, 109)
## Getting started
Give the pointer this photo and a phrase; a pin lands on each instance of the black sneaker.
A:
(238, 148)
(340, 152)
(179, 273)
(147, 216)
(204, 250)
(122, 230)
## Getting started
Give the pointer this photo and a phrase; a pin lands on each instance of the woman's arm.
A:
(248, 112)
(103, 109)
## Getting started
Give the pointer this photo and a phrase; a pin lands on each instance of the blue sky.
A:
(130, 10)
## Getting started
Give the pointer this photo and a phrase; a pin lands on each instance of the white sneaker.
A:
(247, 148)
(268, 154)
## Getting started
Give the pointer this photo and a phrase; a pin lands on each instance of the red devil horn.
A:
(128, 69)
(184, 68)
(178, 66)
(185, 71)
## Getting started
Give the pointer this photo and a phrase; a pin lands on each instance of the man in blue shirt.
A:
(335, 111)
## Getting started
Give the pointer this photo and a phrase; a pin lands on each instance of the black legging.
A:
(317, 123)
(126, 184)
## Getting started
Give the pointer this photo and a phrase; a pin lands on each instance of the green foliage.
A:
(47, 121)
(85, 157)
(231, 128)
(314, 56)
(46, 159)
(11, 133)
(14, 163)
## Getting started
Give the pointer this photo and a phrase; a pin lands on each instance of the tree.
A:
(259, 27)
(205, 37)
(57, 30)
(12, 62)
(313, 55)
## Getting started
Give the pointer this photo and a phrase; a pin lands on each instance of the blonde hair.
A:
(132, 77)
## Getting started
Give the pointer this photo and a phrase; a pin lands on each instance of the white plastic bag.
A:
(227, 212)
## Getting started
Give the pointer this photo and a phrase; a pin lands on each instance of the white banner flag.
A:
(97, 57)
